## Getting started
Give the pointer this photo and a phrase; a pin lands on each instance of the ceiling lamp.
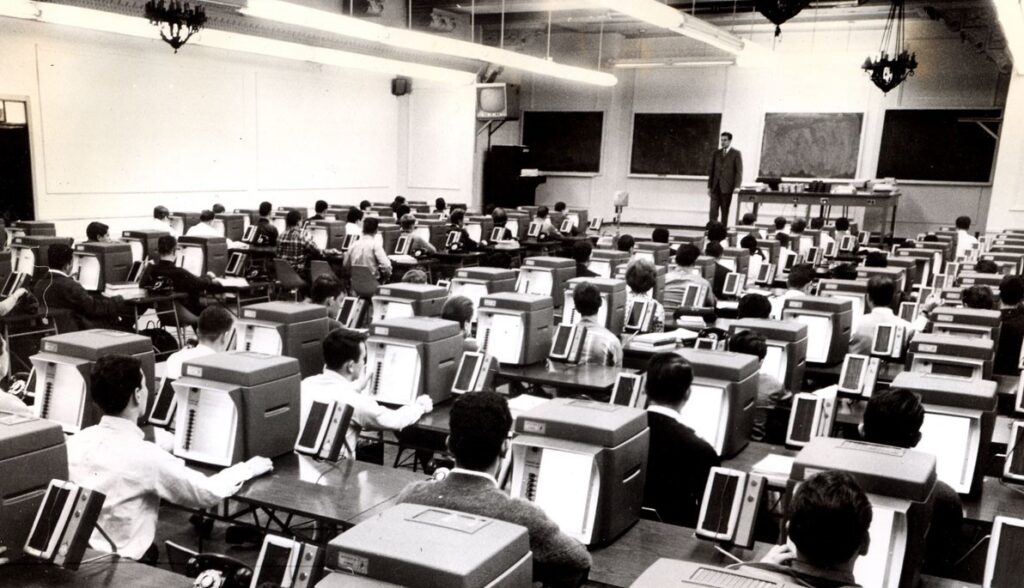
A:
(667, 17)
(779, 11)
(175, 19)
(894, 62)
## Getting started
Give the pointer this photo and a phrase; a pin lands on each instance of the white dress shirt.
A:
(163, 225)
(354, 229)
(172, 369)
(779, 302)
(601, 346)
(666, 411)
(964, 242)
(112, 457)
(366, 413)
(203, 230)
(880, 315)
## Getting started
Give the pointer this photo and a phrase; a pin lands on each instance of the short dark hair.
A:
(783, 239)
(440, 204)
(364, 204)
(370, 225)
(817, 222)
(59, 255)
(414, 276)
(341, 346)
(214, 321)
(780, 222)
(748, 343)
(842, 224)
(499, 216)
(625, 243)
(668, 378)
(714, 249)
(798, 226)
(402, 210)
(749, 242)
(716, 231)
(980, 297)
(581, 251)
(407, 222)
(659, 235)
(113, 380)
(265, 208)
(881, 291)
(218, 208)
(320, 206)
(1011, 289)
(161, 212)
(292, 218)
(687, 255)
(559, 206)
(829, 517)
(206, 216)
(479, 424)
(893, 417)
(845, 271)
(727, 135)
(458, 309)
(748, 218)
(324, 287)
(800, 275)
(399, 199)
(641, 275)
(963, 222)
(164, 245)
(986, 266)
(930, 238)
(754, 305)
(876, 259)
(542, 212)
(587, 299)
(95, 230)
(354, 215)
(457, 216)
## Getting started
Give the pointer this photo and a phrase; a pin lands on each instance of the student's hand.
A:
(363, 381)
(259, 465)
(18, 294)
(425, 402)
(779, 555)
(3, 560)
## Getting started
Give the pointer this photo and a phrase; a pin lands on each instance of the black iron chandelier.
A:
(894, 62)
(177, 21)
(779, 11)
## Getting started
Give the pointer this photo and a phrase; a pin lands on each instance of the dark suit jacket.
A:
(725, 172)
(56, 291)
(678, 464)
(265, 227)
(1011, 334)
(582, 271)
(718, 281)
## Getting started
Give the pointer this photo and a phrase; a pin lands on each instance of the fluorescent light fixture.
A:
(98, 20)
(1011, 18)
(330, 22)
(664, 16)
(670, 62)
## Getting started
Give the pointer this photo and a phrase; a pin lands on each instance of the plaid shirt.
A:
(293, 247)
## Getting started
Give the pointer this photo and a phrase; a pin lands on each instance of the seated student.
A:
(684, 273)
(601, 346)
(625, 243)
(403, 210)
(659, 235)
(754, 305)
(214, 330)
(780, 225)
(757, 257)
(771, 393)
(818, 224)
(559, 206)
(97, 232)
(876, 259)
(964, 240)
(678, 461)
(797, 240)
(326, 291)
(1011, 330)
(111, 457)
(398, 201)
(218, 208)
(354, 221)
(546, 228)
(265, 227)
(986, 266)
(162, 221)
(204, 228)
(844, 271)
(479, 439)
(881, 294)
(181, 280)
(828, 527)
(346, 379)
(979, 297)
(440, 206)
(368, 252)
(319, 208)
(500, 218)
(415, 276)
(798, 283)
(416, 242)
(365, 205)
(460, 309)
(842, 228)
(714, 250)
(716, 232)
(894, 417)
(581, 251)
(57, 290)
(8, 401)
(641, 277)
(747, 222)
(784, 248)
(457, 221)
(295, 245)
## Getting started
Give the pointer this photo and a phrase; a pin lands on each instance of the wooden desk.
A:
(105, 573)
(593, 380)
(888, 201)
(447, 263)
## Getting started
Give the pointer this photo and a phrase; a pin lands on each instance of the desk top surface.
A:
(584, 378)
(100, 574)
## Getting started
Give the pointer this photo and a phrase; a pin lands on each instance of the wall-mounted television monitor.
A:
(497, 102)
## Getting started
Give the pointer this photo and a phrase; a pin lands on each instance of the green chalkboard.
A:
(677, 144)
(939, 145)
(564, 141)
(811, 145)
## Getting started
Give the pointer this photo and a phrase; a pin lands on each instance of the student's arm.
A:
(738, 178)
(375, 416)
(558, 559)
(422, 243)
(186, 487)
(383, 262)
(8, 304)
(91, 306)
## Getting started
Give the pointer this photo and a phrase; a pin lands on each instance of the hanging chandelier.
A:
(779, 11)
(894, 62)
(175, 19)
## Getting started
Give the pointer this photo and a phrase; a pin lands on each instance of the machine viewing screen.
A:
(718, 512)
(819, 336)
(803, 418)
(464, 379)
(948, 438)
(1005, 567)
(852, 373)
(49, 517)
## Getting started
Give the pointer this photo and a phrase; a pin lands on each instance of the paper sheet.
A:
(563, 489)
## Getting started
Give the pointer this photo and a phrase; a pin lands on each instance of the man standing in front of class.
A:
(725, 174)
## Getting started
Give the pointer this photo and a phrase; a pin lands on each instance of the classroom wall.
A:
(1007, 208)
(120, 124)
(814, 71)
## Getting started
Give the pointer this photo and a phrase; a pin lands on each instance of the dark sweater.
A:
(558, 560)
(88, 311)
(1011, 333)
(181, 281)
(678, 464)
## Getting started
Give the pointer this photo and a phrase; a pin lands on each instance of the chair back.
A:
(364, 282)
(287, 278)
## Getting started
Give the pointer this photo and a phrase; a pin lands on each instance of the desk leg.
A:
(892, 223)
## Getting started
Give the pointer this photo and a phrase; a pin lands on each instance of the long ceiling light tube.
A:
(664, 16)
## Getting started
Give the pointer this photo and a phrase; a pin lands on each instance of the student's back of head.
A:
(717, 232)
(402, 210)
(893, 417)
(963, 223)
(364, 205)
(800, 275)
(165, 246)
(370, 225)
(499, 216)
(979, 297)
(625, 243)
(748, 219)
(214, 322)
(687, 255)
(713, 249)
(876, 259)
(1011, 290)
(542, 212)
(219, 208)
(753, 305)
(320, 207)
(749, 242)
(748, 343)
(587, 299)
(641, 275)
(817, 223)
(161, 212)
(440, 205)
(292, 219)
(881, 291)
(354, 215)
(659, 235)
(479, 423)
(842, 224)
(559, 206)
(96, 231)
(342, 346)
(206, 216)
(324, 288)
(113, 381)
(265, 208)
(581, 251)
(457, 216)
(407, 222)
(783, 239)
(780, 223)
(829, 518)
(668, 379)
(798, 226)
(59, 256)
(844, 271)
(415, 276)
(458, 309)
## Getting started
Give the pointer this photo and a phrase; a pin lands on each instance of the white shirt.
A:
(354, 229)
(779, 302)
(664, 410)
(13, 404)
(484, 475)
(172, 369)
(112, 457)
(964, 242)
(880, 315)
(203, 230)
(366, 413)
(163, 225)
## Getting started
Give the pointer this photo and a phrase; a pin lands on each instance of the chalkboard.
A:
(678, 144)
(564, 141)
(939, 145)
(811, 145)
